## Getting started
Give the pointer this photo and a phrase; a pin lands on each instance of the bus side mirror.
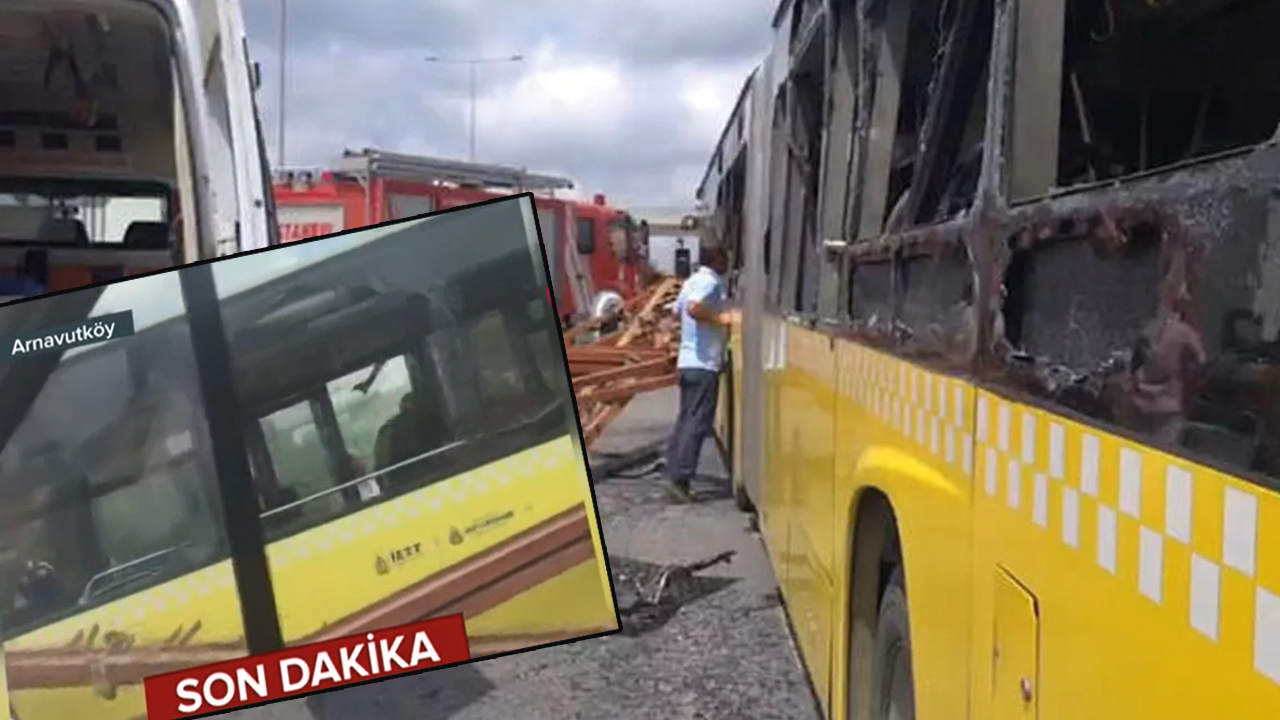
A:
(255, 76)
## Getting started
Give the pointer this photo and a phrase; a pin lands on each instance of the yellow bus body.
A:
(327, 573)
(1019, 527)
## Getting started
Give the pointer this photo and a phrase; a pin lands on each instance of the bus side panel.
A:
(906, 433)
(807, 427)
(515, 494)
(1118, 540)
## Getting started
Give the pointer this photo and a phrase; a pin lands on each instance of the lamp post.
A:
(284, 34)
(473, 65)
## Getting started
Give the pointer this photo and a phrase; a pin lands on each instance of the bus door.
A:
(807, 416)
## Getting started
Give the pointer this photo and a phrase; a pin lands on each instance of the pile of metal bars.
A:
(609, 368)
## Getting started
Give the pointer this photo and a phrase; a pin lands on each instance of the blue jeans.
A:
(699, 394)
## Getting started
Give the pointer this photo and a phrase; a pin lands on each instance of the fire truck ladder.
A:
(370, 163)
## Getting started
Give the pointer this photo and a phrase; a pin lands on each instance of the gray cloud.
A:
(626, 97)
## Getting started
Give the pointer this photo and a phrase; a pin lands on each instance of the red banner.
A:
(307, 668)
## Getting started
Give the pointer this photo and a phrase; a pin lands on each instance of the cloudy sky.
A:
(627, 97)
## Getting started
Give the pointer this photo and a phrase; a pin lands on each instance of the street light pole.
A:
(471, 136)
(473, 69)
(284, 34)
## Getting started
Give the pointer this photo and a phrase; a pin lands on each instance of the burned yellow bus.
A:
(1003, 386)
(277, 448)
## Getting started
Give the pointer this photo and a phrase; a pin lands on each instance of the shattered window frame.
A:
(891, 240)
(1199, 239)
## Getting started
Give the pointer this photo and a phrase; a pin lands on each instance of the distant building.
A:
(667, 235)
(662, 251)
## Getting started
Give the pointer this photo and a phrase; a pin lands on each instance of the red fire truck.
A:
(591, 248)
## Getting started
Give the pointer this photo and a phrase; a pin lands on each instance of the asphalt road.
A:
(724, 654)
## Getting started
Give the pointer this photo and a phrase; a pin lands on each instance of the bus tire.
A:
(894, 687)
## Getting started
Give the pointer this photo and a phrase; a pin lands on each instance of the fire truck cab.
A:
(589, 246)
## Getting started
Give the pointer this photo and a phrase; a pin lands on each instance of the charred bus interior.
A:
(940, 48)
(1109, 89)
(797, 160)
(922, 69)
(427, 381)
(1136, 285)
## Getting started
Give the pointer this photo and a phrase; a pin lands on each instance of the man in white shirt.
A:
(704, 329)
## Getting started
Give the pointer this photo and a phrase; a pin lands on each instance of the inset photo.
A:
(325, 463)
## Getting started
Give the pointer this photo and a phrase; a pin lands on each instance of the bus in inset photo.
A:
(130, 140)
(277, 448)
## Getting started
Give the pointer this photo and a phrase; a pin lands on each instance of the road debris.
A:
(650, 595)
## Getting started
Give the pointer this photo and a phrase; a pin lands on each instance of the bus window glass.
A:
(935, 300)
(298, 459)
(321, 469)
(365, 402)
(373, 366)
(499, 374)
(870, 296)
(436, 352)
(546, 346)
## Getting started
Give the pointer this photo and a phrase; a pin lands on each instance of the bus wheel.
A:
(895, 697)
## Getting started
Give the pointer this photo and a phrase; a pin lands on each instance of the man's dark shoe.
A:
(679, 491)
